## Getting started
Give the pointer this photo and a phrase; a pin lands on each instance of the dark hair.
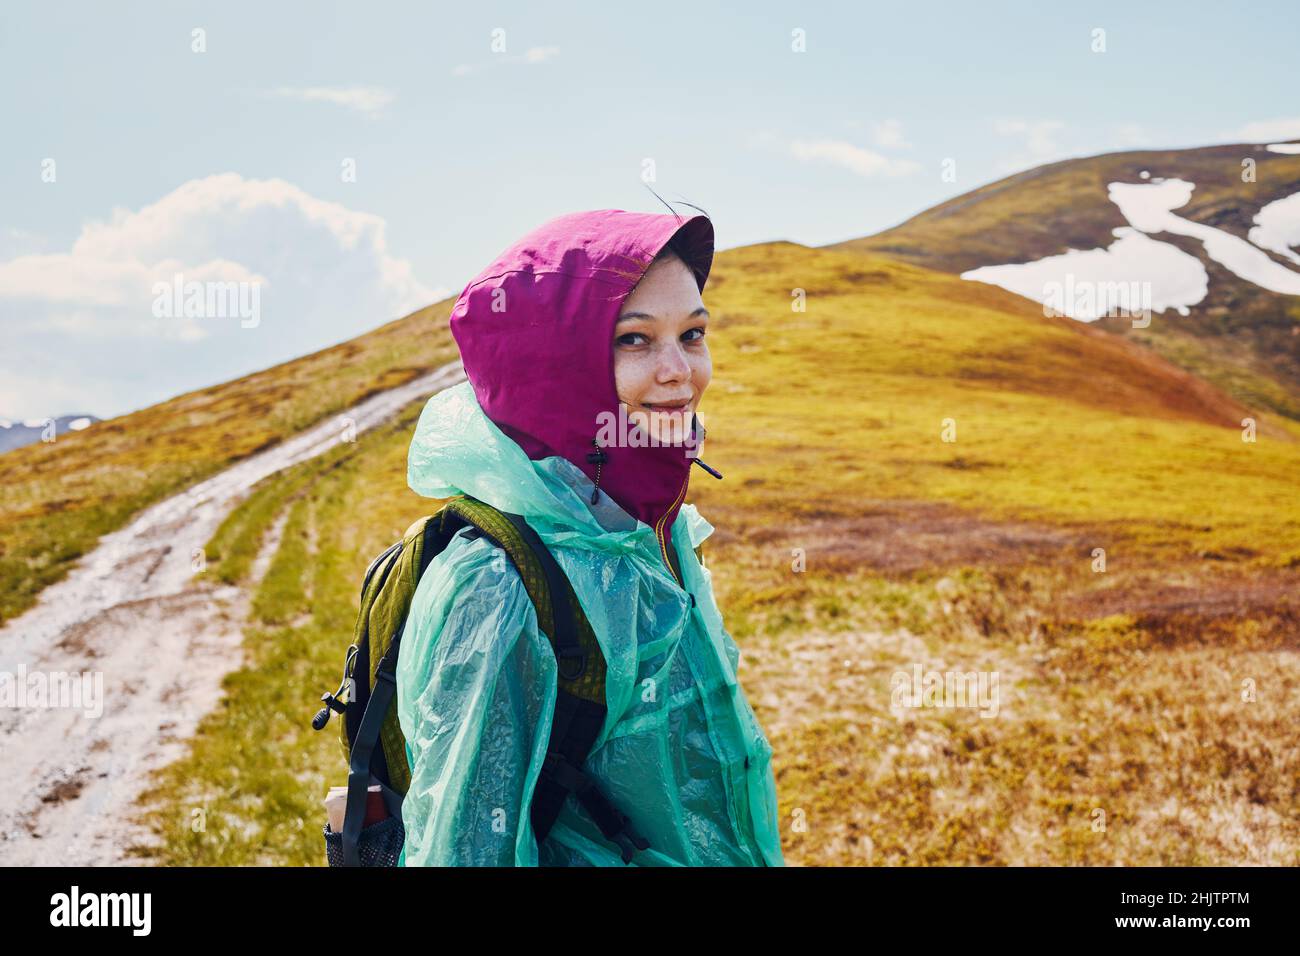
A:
(675, 248)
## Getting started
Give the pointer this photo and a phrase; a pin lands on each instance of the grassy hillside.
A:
(1050, 209)
(1242, 338)
(1124, 734)
(56, 499)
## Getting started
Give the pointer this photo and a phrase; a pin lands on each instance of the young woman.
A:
(585, 338)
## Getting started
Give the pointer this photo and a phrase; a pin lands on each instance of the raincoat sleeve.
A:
(476, 695)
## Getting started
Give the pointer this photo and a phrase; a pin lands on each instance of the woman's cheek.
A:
(627, 378)
(703, 372)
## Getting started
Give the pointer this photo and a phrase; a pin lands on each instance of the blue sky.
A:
(228, 164)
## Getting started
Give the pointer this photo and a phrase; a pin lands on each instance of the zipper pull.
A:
(597, 458)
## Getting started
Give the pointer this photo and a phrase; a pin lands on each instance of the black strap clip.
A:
(614, 826)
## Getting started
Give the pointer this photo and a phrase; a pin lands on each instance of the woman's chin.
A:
(671, 428)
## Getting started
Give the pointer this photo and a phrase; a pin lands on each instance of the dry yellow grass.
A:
(1122, 737)
(1121, 689)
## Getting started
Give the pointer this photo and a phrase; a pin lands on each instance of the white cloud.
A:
(18, 242)
(540, 54)
(889, 135)
(531, 56)
(369, 100)
(1268, 131)
(856, 159)
(79, 326)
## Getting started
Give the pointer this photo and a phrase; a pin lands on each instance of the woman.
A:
(592, 315)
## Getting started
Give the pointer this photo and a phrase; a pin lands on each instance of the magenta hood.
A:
(536, 335)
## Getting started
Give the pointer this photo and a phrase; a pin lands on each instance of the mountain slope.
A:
(57, 498)
(1053, 418)
(931, 342)
(1241, 336)
(979, 554)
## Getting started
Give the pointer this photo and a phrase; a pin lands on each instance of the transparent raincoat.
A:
(681, 752)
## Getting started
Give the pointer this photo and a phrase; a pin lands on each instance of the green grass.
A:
(256, 772)
(1228, 363)
(57, 499)
(235, 545)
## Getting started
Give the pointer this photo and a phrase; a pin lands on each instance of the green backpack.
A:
(373, 744)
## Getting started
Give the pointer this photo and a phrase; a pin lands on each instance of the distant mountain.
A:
(1211, 232)
(16, 434)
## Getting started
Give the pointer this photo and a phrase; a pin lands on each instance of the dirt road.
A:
(148, 641)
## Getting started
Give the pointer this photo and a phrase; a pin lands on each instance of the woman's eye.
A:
(631, 338)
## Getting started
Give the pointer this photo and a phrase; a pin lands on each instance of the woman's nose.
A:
(673, 364)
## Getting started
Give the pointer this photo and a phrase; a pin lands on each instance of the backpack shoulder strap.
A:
(581, 669)
(559, 615)
(386, 594)
(580, 678)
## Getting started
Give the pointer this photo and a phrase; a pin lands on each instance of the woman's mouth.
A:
(676, 406)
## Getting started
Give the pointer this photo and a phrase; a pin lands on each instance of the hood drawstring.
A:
(597, 458)
(712, 471)
(698, 426)
(600, 456)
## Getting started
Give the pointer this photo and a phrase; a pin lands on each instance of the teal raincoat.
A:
(681, 752)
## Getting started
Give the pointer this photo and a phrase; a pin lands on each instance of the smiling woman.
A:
(661, 358)
(646, 751)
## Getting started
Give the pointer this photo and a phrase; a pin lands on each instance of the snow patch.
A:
(1277, 227)
(1138, 273)
(1088, 285)
(1149, 208)
(77, 424)
(1291, 149)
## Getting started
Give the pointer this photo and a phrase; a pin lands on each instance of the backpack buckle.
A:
(338, 701)
(613, 824)
(629, 841)
(579, 656)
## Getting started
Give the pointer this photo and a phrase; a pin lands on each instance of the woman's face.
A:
(661, 361)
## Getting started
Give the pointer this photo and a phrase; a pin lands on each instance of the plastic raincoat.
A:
(681, 752)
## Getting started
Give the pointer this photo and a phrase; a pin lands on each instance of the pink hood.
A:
(536, 336)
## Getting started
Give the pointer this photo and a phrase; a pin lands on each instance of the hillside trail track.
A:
(134, 614)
